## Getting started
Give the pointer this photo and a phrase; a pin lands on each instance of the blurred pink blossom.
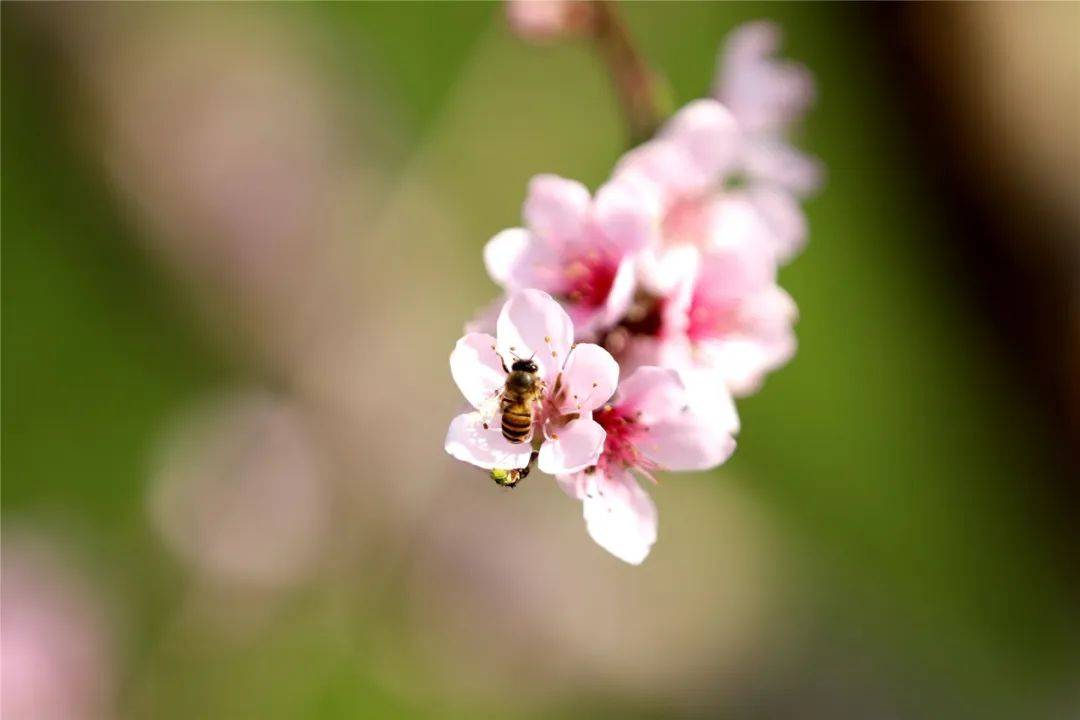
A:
(576, 379)
(545, 20)
(684, 168)
(727, 316)
(765, 94)
(579, 249)
(54, 655)
(653, 423)
(769, 97)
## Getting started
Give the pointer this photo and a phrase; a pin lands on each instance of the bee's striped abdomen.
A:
(517, 422)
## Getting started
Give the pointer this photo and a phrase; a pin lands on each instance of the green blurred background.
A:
(239, 242)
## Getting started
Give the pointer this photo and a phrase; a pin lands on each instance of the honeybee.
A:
(518, 400)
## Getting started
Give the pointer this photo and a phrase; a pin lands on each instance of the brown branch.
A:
(642, 92)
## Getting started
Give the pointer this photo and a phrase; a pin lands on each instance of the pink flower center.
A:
(624, 430)
(709, 318)
(588, 278)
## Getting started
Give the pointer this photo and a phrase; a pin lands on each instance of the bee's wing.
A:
(490, 408)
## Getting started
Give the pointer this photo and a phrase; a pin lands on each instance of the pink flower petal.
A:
(657, 393)
(477, 369)
(735, 222)
(662, 270)
(589, 379)
(574, 485)
(504, 252)
(731, 273)
(621, 294)
(784, 217)
(666, 167)
(574, 447)
(765, 94)
(533, 325)
(710, 398)
(774, 161)
(556, 208)
(628, 214)
(709, 134)
(744, 362)
(687, 441)
(620, 517)
(764, 342)
(468, 440)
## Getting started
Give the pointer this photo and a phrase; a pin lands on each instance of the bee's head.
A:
(524, 366)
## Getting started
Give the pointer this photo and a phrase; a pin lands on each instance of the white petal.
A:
(533, 325)
(589, 379)
(468, 440)
(555, 208)
(477, 369)
(620, 517)
(575, 447)
(504, 252)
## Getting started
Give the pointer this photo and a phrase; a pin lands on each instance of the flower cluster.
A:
(667, 275)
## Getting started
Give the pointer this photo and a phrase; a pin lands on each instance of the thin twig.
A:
(642, 92)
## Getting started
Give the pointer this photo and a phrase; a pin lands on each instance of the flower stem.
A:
(643, 93)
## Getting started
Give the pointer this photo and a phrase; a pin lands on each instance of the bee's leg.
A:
(501, 361)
